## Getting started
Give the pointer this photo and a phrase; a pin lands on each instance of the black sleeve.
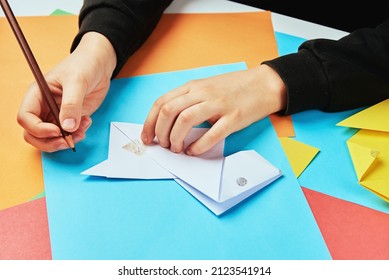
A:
(126, 23)
(335, 75)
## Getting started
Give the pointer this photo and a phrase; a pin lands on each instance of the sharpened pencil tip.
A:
(69, 140)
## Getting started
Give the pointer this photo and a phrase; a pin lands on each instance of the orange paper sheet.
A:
(283, 125)
(183, 41)
(49, 38)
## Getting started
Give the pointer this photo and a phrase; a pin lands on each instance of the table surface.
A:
(281, 23)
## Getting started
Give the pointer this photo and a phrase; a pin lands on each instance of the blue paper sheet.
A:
(98, 218)
(332, 171)
(287, 44)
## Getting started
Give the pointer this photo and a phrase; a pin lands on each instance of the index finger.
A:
(148, 131)
(30, 115)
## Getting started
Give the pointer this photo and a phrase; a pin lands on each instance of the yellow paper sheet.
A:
(369, 152)
(299, 154)
(373, 118)
(362, 157)
(369, 148)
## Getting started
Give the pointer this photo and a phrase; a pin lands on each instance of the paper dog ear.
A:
(243, 171)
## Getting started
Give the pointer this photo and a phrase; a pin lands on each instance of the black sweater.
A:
(330, 75)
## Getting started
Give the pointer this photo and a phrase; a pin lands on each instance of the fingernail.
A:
(69, 124)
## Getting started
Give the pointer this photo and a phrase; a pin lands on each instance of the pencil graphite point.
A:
(69, 140)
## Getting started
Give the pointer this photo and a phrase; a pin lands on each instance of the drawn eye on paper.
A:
(135, 146)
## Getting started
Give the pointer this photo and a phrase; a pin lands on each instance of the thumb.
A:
(71, 107)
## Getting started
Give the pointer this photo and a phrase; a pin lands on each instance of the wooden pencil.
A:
(43, 86)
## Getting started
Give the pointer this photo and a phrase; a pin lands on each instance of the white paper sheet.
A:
(216, 181)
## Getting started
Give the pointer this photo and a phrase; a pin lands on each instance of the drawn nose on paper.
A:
(135, 146)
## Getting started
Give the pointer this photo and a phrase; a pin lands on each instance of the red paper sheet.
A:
(24, 232)
(351, 231)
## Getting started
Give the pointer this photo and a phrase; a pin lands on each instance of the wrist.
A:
(275, 88)
(100, 48)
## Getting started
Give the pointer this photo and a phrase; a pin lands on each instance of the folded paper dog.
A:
(216, 181)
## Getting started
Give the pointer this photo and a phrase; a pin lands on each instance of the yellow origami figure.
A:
(369, 148)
